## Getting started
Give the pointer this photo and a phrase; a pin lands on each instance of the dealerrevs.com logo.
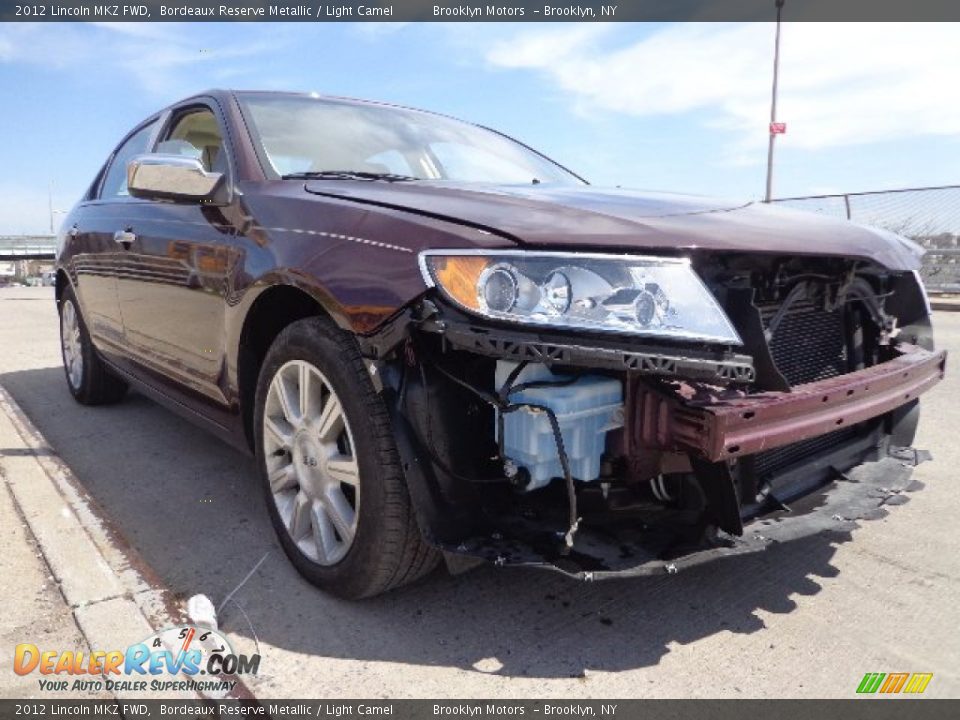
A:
(189, 658)
(894, 683)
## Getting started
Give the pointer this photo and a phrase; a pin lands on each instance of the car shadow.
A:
(192, 507)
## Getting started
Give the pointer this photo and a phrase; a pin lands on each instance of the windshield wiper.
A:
(346, 175)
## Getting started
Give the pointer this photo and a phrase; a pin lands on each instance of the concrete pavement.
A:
(806, 619)
(33, 610)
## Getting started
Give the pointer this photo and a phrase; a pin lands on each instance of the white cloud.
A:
(165, 60)
(140, 29)
(840, 84)
(377, 30)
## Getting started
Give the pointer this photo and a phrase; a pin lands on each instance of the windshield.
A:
(300, 136)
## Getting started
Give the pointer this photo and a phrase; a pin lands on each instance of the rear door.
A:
(98, 258)
(173, 290)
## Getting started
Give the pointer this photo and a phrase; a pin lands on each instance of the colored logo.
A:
(173, 659)
(889, 683)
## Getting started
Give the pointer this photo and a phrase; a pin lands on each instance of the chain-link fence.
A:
(929, 216)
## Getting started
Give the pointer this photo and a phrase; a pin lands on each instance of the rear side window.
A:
(115, 181)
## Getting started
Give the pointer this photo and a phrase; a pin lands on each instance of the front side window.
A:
(302, 135)
(115, 181)
(196, 134)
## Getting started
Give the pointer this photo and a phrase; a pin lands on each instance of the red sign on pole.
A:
(778, 128)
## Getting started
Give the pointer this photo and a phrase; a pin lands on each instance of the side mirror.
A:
(172, 177)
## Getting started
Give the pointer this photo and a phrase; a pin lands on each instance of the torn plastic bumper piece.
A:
(720, 427)
(858, 494)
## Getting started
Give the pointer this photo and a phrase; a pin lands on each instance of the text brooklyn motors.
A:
(475, 11)
(477, 710)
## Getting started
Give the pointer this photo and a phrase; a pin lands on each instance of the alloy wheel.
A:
(311, 462)
(72, 344)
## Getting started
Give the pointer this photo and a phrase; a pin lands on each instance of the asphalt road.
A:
(806, 619)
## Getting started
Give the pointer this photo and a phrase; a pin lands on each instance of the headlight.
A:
(660, 297)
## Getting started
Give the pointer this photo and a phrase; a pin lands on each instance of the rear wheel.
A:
(89, 380)
(329, 466)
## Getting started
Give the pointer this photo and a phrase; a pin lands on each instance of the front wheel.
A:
(329, 466)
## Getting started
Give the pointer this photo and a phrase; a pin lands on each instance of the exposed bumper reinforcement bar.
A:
(725, 428)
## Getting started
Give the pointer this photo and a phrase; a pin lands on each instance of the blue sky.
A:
(673, 107)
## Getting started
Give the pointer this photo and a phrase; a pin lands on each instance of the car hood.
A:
(587, 217)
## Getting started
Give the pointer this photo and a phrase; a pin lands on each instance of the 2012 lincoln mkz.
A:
(442, 345)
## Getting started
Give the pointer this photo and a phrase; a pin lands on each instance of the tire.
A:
(89, 380)
(310, 464)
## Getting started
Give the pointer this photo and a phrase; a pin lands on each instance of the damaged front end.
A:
(596, 453)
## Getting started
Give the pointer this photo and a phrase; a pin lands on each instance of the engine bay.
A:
(539, 445)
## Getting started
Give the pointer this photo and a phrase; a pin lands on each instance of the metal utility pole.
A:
(50, 204)
(775, 128)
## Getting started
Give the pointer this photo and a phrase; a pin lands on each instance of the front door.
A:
(174, 286)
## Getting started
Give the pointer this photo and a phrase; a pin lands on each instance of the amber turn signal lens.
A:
(458, 276)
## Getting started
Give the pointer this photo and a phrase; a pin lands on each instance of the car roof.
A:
(226, 94)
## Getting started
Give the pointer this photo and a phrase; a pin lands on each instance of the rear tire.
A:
(329, 466)
(88, 378)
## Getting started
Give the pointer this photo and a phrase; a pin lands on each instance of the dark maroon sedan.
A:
(441, 344)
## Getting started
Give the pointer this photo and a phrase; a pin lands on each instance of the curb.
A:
(944, 304)
(114, 596)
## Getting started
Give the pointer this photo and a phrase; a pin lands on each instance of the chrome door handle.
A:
(124, 237)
